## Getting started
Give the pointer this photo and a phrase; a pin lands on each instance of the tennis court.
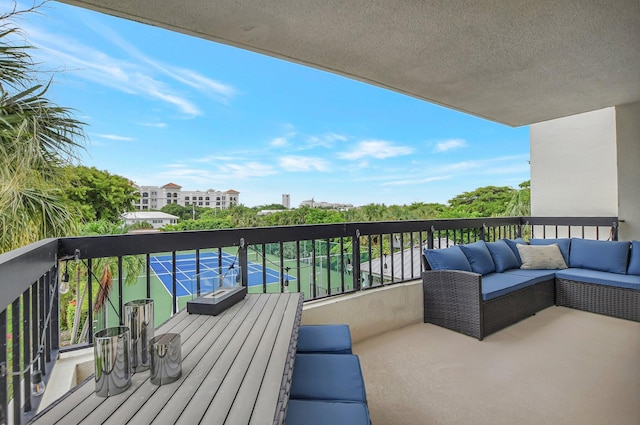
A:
(214, 272)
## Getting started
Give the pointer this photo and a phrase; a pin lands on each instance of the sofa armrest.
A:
(453, 299)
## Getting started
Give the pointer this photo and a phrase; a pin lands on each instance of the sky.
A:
(163, 107)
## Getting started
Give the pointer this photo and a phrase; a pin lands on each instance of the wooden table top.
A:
(236, 369)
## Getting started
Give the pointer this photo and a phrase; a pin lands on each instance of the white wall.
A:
(628, 132)
(371, 312)
(574, 166)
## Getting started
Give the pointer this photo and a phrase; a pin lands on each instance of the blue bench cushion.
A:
(513, 245)
(563, 244)
(334, 377)
(634, 259)
(606, 256)
(479, 257)
(334, 339)
(451, 258)
(497, 284)
(600, 277)
(317, 412)
(503, 256)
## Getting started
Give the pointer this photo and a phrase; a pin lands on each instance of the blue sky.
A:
(164, 107)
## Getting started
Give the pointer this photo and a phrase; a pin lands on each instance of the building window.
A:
(206, 203)
(206, 199)
(217, 198)
(145, 201)
(154, 193)
(186, 198)
(199, 203)
(186, 203)
(199, 198)
(145, 195)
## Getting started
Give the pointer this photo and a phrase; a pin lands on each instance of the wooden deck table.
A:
(236, 369)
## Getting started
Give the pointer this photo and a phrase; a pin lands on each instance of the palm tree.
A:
(37, 138)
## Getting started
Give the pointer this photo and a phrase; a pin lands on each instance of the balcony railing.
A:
(318, 260)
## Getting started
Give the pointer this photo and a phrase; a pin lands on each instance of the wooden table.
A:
(236, 369)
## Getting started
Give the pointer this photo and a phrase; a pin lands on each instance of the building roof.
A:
(231, 191)
(172, 185)
(517, 62)
(404, 262)
(147, 215)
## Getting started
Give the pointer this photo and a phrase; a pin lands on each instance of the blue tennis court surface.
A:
(214, 272)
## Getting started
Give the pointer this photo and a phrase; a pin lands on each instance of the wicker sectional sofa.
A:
(479, 288)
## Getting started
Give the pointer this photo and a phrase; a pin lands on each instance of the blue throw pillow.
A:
(450, 258)
(634, 260)
(563, 244)
(479, 257)
(606, 256)
(503, 257)
(512, 244)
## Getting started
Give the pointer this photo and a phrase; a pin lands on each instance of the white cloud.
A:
(137, 75)
(408, 182)
(450, 144)
(246, 170)
(327, 140)
(154, 124)
(115, 137)
(379, 149)
(279, 141)
(485, 164)
(296, 163)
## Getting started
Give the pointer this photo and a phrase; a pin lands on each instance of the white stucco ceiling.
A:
(513, 61)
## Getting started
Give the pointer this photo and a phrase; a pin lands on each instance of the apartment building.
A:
(156, 197)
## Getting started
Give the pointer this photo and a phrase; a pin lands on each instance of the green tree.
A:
(520, 202)
(37, 138)
(98, 195)
(487, 201)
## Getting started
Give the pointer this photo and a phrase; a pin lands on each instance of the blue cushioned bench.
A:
(333, 377)
(327, 389)
(330, 339)
(316, 412)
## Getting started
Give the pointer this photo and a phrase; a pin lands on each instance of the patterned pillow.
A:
(541, 257)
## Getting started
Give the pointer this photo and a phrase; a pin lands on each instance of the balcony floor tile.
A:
(561, 366)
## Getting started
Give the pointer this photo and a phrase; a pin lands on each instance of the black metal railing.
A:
(319, 260)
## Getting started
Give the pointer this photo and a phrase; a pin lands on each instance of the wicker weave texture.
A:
(453, 299)
(602, 299)
(518, 305)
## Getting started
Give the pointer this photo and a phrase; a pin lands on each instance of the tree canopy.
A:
(98, 195)
(37, 138)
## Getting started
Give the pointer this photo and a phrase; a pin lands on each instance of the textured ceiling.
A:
(514, 61)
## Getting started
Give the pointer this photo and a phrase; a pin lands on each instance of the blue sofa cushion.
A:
(606, 256)
(317, 412)
(563, 244)
(334, 339)
(503, 256)
(512, 244)
(451, 258)
(634, 260)
(336, 377)
(497, 284)
(479, 257)
(537, 274)
(600, 277)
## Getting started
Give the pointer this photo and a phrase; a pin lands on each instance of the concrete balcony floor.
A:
(561, 366)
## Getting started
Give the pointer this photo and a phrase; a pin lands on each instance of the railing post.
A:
(243, 261)
(355, 245)
(3, 367)
(430, 233)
